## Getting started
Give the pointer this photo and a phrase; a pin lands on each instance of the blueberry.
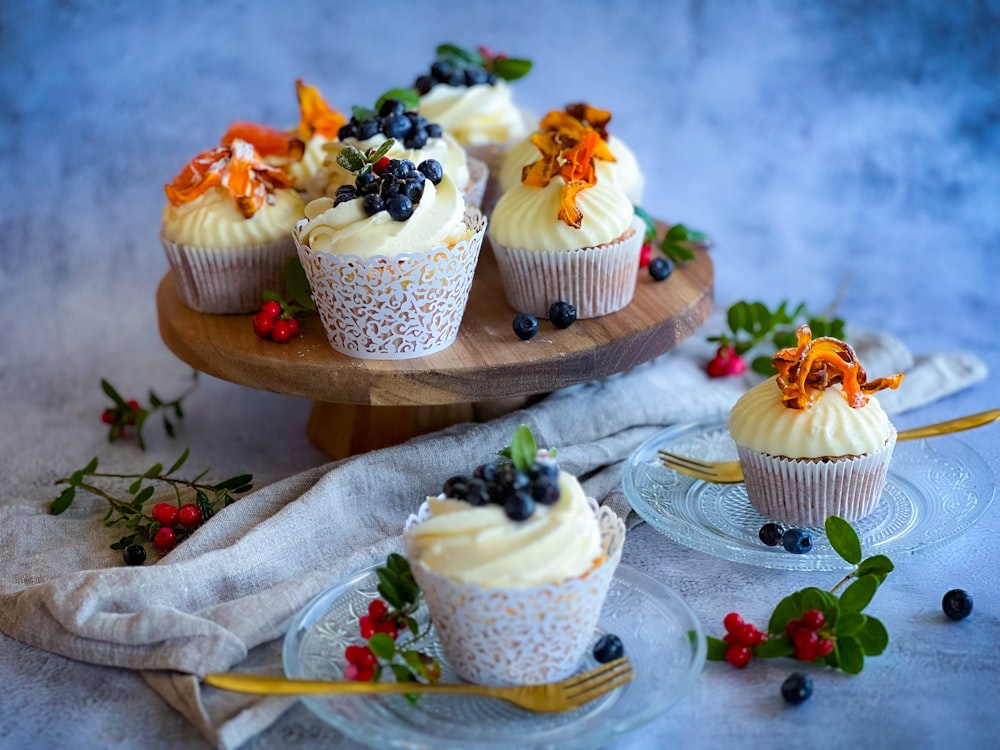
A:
(366, 129)
(562, 314)
(364, 181)
(347, 130)
(608, 648)
(796, 688)
(431, 169)
(797, 541)
(486, 472)
(477, 492)
(434, 130)
(372, 204)
(660, 268)
(957, 604)
(396, 126)
(391, 107)
(455, 78)
(416, 139)
(441, 70)
(545, 491)
(413, 190)
(525, 326)
(770, 534)
(474, 76)
(344, 194)
(519, 505)
(400, 207)
(134, 554)
(491, 78)
(540, 469)
(423, 84)
(456, 487)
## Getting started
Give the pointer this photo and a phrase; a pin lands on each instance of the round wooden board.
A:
(362, 404)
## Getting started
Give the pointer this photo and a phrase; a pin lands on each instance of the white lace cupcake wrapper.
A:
(402, 307)
(520, 636)
(479, 173)
(804, 492)
(228, 280)
(596, 281)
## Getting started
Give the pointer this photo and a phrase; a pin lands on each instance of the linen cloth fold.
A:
(223, 599)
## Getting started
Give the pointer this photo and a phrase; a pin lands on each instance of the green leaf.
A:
(511, 68)
(787, 609)
(458, 55)
(784, 339)
(143, 496)
(397, 563)
(168, 426)
(407, 588)
(154, 400)
(403, 674)
(75, 478)
(242, 490)
(382, 646)
(298, 284)
(91, 467)
(677, 233)
(737, 316)
(412, 659)
(716, 648)
(857, 596)
(153, 471)
(135, 486)
(774, 647)
(872, 637)
(62, 502)
(648, 221)
(850, 657)
(351, 159)
(233, 482)
(850, 624)
(762, 365)
(412, 626)
(204, 505)
(387, 588)
(409, 97)
(523, 448)
(816, 598)
(382, 150)
(879, 565)
(179, 462)
(124, 542)
(113, 394)
(760, 320)
(676, 252)
(362, 113)
(844, 539)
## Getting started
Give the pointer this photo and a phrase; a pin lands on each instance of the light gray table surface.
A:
(820, 144)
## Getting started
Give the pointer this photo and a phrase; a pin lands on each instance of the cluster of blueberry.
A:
(561, 314)
(393, 185)
(450, 74)
(393, 121)
(504, 484)
(794, 540)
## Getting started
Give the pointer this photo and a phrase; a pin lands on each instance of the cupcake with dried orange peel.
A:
(813, 441)
(227, 228)
(300, 151)
(562, 234)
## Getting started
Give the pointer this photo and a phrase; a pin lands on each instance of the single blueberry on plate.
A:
(525, 326)
(608, 648)
(797, 541)
(957, 604)
(770, 534)
(796, 688)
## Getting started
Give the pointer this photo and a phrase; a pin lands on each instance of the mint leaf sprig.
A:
(854, 634)
(408, 96)
(124, 415)
(678, 242)
(507, 68)
(357, 162)
(523, 450)
(753, 324)
(128, 509)
(299, 303)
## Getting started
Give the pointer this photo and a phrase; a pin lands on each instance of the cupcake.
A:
(227, 228)
(622, 169)
(300, 150)
(563, 234)
(413, 138)
(514, 564)
(813, 441)
(390, 258)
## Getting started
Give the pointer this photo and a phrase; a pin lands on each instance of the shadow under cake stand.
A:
(360, 404)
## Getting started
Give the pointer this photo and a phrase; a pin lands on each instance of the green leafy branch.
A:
(126, 414)
(128, 509)
(356, 161)
(507, 68)
(678, 243)
(855, 634)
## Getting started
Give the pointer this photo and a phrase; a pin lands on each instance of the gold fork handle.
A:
(951, 425)
(265, 685)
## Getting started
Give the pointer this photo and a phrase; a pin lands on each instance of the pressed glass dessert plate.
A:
(935, 489)
(661, 635)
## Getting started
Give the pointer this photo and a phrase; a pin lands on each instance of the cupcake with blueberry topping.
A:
(563, 234)
(814, 441)
(227, 227)
(514, 562)
(390, 258)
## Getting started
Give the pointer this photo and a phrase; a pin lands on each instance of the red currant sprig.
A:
(276, 320)
(122, 415)
(741, 637)
(725, 362)
(808, 636)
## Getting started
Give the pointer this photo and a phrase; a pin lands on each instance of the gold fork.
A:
(547, 698)
(729, 472)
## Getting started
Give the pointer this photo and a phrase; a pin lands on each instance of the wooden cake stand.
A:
(363, 404)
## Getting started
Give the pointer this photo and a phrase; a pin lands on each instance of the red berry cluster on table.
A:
(456, 66)
(124, 416)
(272, 322)
(383, 184)
(278, 317)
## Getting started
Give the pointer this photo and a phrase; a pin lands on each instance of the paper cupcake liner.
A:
(595, 280)
(402, 307)
(805, 492)
(228, 280)
(478, 175)
(520, 636)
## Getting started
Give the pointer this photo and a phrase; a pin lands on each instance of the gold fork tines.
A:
(550, 697)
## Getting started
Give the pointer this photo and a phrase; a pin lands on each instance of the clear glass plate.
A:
(935, 489)
(661, 634)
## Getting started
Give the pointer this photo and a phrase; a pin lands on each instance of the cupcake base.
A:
(806, 491)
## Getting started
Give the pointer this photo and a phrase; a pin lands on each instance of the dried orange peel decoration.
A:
(816, 364)
(568, 146)
(237, 169)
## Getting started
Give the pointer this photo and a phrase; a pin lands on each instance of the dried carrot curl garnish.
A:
(316, 116)
(267, 140)
(236, 168)
(816, 364)
(596, 118)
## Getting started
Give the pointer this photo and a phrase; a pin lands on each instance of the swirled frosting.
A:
(437, 221)
(527, 217)
(624, 172)
(475, 115)
(212, 220)
(445, 150)
(303, 170)
(830, 427)
(481, 545)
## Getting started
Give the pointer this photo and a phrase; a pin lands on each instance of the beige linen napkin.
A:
(223, 599)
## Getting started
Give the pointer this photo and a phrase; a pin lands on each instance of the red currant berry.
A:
(732, 621)
(381, 165)
(388, 627)
(738, 656)
(825, 647)
(133, 404)
(747, 635)
(108, 417)
(792, 627)
(645, 254)
(736, 365)
(360, 655)
(358, 673)
(281, 332)
(165, 514)
(189, 515)
(293, 324)
(377, 609)
(716, 367)
(271, 308)
(813, 619)
(164, 539)
(806, 644)
(367, 626)
(262, 324)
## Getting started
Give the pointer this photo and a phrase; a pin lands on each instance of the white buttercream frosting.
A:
(830, 427)
(212, 220)
(475, 115)
(528, 217)
(312, 159)
(437, 221)
(623, 172)
(481, 545)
